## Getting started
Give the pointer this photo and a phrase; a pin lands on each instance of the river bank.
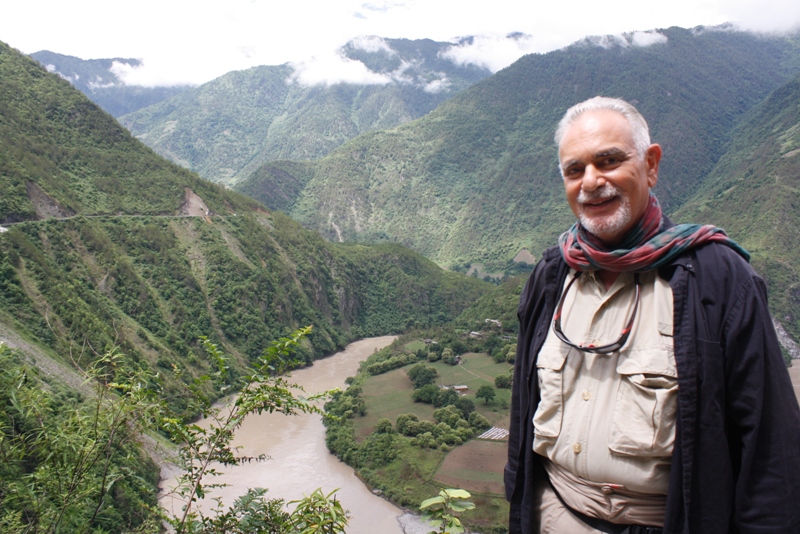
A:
(298, 460)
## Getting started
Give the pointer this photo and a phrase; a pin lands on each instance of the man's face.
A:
(606, 180)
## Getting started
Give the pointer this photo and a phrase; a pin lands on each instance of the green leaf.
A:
(430, 502)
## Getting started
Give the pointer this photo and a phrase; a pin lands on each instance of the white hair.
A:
(639, 129)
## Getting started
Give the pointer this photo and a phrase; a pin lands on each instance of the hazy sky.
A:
(184, 41)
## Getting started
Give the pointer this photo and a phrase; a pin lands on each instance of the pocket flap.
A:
(552, 356)
(647, 361)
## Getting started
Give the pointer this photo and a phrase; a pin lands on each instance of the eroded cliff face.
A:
(786, 340)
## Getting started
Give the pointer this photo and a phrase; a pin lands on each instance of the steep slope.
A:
(477, 179)
(98, 79)
(119, 247)
(60, 155)
(753, 193)
(226, 128)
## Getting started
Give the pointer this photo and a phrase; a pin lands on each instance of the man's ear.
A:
(652, 157)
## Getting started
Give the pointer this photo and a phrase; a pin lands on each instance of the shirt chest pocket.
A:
(643, 422)
(549, 413)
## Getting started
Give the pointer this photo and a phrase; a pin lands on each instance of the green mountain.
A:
(752, 192)
(97, 79)
(226, 128)
(476, 180)
(105, 243)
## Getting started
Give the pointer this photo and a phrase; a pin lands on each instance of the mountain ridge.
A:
(225, 128)
(97, 79)
(114, 246)
(477, 179)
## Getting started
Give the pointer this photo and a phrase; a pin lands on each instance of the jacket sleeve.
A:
(516, 436)
(763, 417)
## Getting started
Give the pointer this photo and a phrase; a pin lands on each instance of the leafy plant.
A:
(70, 463)
(74, 465)
(265, 389)
(443, 508)
(318, 513)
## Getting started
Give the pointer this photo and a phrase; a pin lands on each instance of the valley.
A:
(298, 460)
(399, 219)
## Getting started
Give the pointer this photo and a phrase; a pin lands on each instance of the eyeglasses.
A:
(603, 349)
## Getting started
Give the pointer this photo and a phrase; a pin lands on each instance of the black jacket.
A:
(736, 459)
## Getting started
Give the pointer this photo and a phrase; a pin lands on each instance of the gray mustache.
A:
(605, 192)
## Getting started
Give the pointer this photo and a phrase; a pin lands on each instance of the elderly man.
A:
(650, 394)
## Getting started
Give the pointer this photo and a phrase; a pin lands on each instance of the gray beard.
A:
(610, 226)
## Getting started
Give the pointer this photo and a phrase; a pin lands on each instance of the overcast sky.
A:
(183, 41)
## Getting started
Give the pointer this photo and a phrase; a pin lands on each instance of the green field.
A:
(388, 395)
(415, 472)
(476, 466)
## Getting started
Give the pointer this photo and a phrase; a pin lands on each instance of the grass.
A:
(414, 346)
(417, 474)
(389, 395)
(475, 466)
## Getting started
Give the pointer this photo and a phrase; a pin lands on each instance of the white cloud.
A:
(330, 69)
(604, 41)
(401, 74)
(437, 86)
(99, 84)
(492, 52)
(193, 41)
(371, 43)
(624, 40)
(648, 38)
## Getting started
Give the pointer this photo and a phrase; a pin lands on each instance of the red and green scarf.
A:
(646, 246)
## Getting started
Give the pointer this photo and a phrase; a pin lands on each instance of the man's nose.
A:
(592, 178)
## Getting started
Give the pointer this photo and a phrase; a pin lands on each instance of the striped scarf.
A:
(646, 246)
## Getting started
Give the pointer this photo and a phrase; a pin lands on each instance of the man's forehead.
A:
(599, 132)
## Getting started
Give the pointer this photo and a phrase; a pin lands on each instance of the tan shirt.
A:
(610, 419)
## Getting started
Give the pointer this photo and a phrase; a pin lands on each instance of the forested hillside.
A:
(97, 79)
(226, 128)
(753, 193)
(118, 247)
(477, 179)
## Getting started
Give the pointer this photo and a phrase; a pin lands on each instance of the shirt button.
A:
(576, 448)
(586, 395)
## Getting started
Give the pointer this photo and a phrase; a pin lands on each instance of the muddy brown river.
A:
(299, 460)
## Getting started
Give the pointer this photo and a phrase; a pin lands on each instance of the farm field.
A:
(409, 467)
(389, 395)
(476, 466)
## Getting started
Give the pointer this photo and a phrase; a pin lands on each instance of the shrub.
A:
(465, 405)
(478, 422)
(422, 374)
(498, 355)
(425, 440)
(384, 426)
(402, 421)
(426, 394)
(376, 451)
(446, 397)
(502, 382)
(450, 415)
(441, 430)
